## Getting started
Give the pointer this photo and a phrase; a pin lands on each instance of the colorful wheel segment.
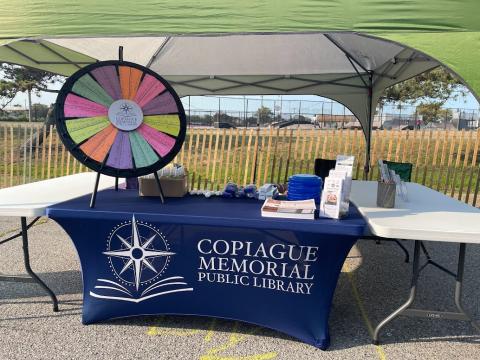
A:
(120, 119)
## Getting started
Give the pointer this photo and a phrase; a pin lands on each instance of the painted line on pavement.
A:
(211, 330)
(233, 340)
(215, 353)
(8, 232)
(351, 278)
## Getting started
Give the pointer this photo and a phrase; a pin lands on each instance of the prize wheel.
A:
(120, 119)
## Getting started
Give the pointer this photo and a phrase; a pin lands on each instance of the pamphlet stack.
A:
(336, 192)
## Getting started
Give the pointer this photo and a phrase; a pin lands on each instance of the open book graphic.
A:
(110, 290)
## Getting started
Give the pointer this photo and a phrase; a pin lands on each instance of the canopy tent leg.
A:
(368, 131)
(369, 86)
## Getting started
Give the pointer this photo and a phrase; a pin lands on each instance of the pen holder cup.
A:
(386, 195)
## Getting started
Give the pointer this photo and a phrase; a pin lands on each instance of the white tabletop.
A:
(427, 215)
(32, 199)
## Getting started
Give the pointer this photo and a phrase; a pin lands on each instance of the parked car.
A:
(223, 125)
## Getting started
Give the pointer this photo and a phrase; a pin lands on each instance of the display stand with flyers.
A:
(335, 199)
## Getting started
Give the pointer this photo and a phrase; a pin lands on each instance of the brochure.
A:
(330, 204)
(344, 201)
(303, 209)
(345, 163)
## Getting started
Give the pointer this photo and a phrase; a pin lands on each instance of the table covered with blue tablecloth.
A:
(209, 257)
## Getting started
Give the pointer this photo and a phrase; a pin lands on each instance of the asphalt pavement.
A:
(374, 281)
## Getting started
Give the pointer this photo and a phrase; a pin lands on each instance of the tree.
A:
(7, 93)
(430, 91)
(264, 115)
(438, 84)
(28, 80)
(40, 111)
(434, 113)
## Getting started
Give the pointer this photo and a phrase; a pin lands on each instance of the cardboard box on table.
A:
(172, 186)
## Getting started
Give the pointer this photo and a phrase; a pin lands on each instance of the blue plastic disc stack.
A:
(304, 187)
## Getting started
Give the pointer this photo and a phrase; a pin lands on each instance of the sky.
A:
(310, 104)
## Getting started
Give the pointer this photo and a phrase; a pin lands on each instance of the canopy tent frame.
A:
(361, 79)
(369, 86)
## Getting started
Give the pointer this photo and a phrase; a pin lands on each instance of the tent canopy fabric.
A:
(347, 50)
(334, 65)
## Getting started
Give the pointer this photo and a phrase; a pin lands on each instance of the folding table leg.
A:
(405, 251)
(26, 259)
(459, 287)
(431, 314)
(413, 292)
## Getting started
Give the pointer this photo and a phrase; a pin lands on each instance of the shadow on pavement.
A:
(61, 282)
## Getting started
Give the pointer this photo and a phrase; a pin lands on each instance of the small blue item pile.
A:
(304, 187)
(232, 190)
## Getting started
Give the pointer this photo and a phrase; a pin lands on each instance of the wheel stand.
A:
(406, 310)
(32, 277)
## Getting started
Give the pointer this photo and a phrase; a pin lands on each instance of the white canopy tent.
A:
(351, 68)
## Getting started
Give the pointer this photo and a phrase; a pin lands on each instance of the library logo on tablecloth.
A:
(138, 255)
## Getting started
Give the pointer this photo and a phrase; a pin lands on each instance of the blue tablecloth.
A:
(210, 257)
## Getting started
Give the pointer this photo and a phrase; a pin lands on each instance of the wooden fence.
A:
(443, 160)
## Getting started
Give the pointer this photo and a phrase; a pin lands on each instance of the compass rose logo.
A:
(125, 114)
(138, 255)
(126, 108)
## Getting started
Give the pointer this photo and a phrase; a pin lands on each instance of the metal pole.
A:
(400, 116)
(95, 189)
(368, 137)
(258, 117)
(299, 111)
(218, 117)
(256, 144)
(120, 53)
(323, 115)
(159, 186)
(29, 93)
(274, 115)
(281, 107)
(245, 113)
(331, 113)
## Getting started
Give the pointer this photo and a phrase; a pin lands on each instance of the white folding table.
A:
(31, 200)
(427, 215)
